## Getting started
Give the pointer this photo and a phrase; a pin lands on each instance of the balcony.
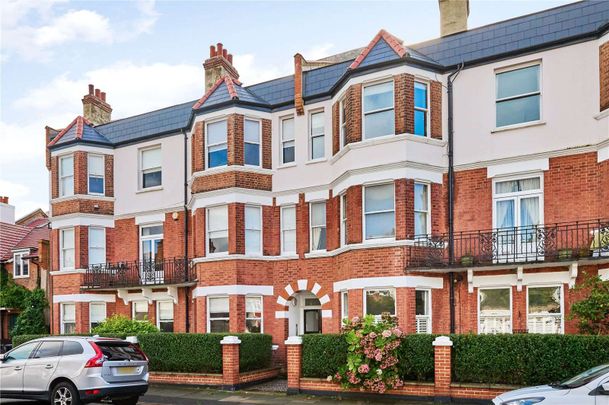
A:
(584, 240)
(141, 273)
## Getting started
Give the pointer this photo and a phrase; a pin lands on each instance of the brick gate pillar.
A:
(442, 366)
(230, 362)
(294, 363)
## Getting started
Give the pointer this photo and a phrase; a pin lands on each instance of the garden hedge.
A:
(416, 356)
(322, 354)
(255, 351)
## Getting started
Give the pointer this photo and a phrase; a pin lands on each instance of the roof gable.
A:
(80, 129)
(226, 88)
(383, 46)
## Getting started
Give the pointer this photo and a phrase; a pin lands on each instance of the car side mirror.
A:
(2, 358)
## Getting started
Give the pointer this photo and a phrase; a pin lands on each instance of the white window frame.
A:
(342, 122)
(518, 195)
(429, 315)
(207, 231)
(364, 213)
(395, 299)
(209, 145)
(259, 208)
(426, 110)
(343, 219)
(261, 298)
(428, 212)
(63, 250)
(153, 237)
(364, 114)
(505, 287)
(259, 143)
(102, 176)
(562, 304)
(344, 309)
(312, 136)
(133, 305)
(158, 314)
(62, 320)
(311, 227)
(19, 261)
(89, 245)
(282, 142)
(61, 177)
(154, 169)
(208, 306)
(91, 304)
(283, 230)
(506, 69)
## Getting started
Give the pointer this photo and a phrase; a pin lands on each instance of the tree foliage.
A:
(31, 319)
(12, 295)
(592, 312)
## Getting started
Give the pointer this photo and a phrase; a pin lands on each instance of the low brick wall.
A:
(258, 375)
(186, 379)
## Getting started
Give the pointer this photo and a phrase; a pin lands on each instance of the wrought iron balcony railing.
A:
(528, 244)
(140, 273)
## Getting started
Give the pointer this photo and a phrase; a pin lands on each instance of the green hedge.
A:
(525, 359)
(323, 354)
(255, 351)
(416, 356)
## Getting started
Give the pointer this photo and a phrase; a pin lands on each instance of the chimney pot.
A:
(97, 93)
(103, 96)
(219, 48)
(230, 58)
(91, 89)
(225, 54)
(212, 51)
(453, 16)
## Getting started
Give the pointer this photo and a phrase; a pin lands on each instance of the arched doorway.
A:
(304, 313)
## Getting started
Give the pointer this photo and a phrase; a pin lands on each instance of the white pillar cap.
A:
(132, 339)
(230, 340)
(294, 340)
(442, 341)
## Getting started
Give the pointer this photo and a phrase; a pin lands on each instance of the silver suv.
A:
(69, 370)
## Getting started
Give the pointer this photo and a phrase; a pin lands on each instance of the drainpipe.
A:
(187, 301)
(451, 196)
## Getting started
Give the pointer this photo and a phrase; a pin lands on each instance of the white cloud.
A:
(251, 71)
(318, 51)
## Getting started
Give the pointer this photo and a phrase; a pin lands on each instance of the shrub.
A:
(592, 312)
(416, 356)
(31, 320)
(21, 339)
(12, 295)
(525, 359)
(255, 351)
(323, 354)
(121, 325)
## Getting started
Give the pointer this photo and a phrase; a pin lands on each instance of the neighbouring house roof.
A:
(560, 25)
(23, 235)
(33, 217)
(10, 236)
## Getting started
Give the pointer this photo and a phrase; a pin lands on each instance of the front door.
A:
(39, 369)
(12, 367)
(312, 321)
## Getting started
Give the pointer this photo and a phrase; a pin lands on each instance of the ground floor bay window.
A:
(379, 301)
(218, 314)
(423, 311)
(164, 316)
(253, 314)
(545, 309)
(68, 319)
(97, 313)
(495, 310)
(139, 310)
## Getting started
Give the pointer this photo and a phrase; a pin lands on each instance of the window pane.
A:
(97, 237)
(67, 166)
(165, 310)
(151, 158)
(317, 147)
(96, 185)
(494, 300)
(96, 165)
(379, 198)
(68, 312)
(516, 82)
(380, 225)
(287, 129)
(216, 132)
(252, 241)
(288, 218)
(217, 218)
(217, 157)
(420, 197)
(23, 352)
(420, 122)
(218, 326)
(519, 110)
(97, 312)
(252, 217)
(345, 305)
(505, 214)
(253, 307)
(252, 131)
(544, 300)
(166, 326)
(513, 186)
(420, 95)
(378, 96)
(152, 179)
(318, 238)
(253, 325)
(252, 154)
(67, 186)
(317, 123)
(289, 241)
(420, 223)
(48, 349)
(68, 239)
(318, 214)
(152, 230)
(379, 124)
(529, 211)
(379, 301)
(288, 152)
(218, 307)
(421, 302)
(218, 242)
(70, 348)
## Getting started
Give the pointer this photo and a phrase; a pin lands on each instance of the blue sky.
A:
(148, 55)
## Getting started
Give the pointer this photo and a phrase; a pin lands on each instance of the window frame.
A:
(429, 307)
(22, 262)
(511, 310)
(62, 320)
(89, 245)
(343, 219)
(133, 311)
(311, 226)
(259, 143)
(91, 304)
(158, 315)
(207, 231)
(513, 68)
(364, 113)
(153, 237)
(313, 136)
(283, 230)
(562, 305)
(261, 298)
(282, 142)
(425, 110)
(209, 145)
(518, 195)
(61, 177)
(342, 122)
(208, 306)
(395, 300)
(428, 212)
(102, 176)
(364, 213)
(344, 309)
(62, 249)
(154, 169)
(245, 229)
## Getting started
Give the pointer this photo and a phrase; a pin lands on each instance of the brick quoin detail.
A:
(354, 214)
(603, 60)
(235, 139)
(335, 128)
(80, 173)
(404, 103)
(436, 109)
(353, 113)
(267, 144)
(197, 146)
(254, 181)
(109, 175)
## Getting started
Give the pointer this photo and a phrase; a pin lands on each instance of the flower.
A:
(386, 333)
(379, 371)
(329, 379)
(363, 369)
(372, 335)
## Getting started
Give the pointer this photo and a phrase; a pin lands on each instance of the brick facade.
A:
(603, 61)
(255, 181)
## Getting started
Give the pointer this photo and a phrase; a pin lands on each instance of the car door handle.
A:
(48, 366)
(17, 368)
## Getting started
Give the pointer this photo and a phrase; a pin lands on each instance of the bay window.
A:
(317, 135)
(217, 146)
(287, 140)
(344, 305)
(68, 319)
(21, 266)
(97, 314)
(251, 146)
(495, 310)
(139, 310)
(253, 314)
(343, 219)
(218, 318)
(379, 301)
(164, 311)
(421, 109)
(318, 226)
(253, 229)
(421, 209)
(66, 176)
(379, 211)
(97, 245)
(379, 117)
(423, 311)
(217, 229)
(66, 249)
(95, 168)
(288, 230)
(342, 114)
(151, 174)
(518, 96)
(545, 309)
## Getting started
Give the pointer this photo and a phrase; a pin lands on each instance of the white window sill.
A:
(149, 189)
(18, 277)
(67, 272)
(287, 165)
(314, 161)
(219, 254)
(96, 194)
(601, 115)
(518, 126)
(377, 241)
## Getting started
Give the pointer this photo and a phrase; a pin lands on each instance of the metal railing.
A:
(139, 273)
(528, 244)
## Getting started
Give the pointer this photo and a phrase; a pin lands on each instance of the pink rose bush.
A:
(372, 354)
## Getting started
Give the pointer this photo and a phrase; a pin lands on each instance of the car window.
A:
(585, 377)
(70, 347)
(48, 349)
(22, 352)
(120, 351)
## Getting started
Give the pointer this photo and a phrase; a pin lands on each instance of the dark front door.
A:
(312, 321)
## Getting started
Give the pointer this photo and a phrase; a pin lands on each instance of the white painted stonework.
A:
(396, 282)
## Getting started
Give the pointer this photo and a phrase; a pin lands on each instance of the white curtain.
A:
(505, 214)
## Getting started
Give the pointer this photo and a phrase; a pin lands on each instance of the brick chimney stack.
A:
(7, 211)
(95, 108)
(219, 63)
(453, 16)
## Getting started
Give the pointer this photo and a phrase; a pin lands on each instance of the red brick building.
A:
(461, 183)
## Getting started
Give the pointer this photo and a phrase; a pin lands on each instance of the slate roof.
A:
(79, 129)
(571, 22)
(10, 236)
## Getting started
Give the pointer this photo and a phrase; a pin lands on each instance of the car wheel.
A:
(126, 401)
(65, 393)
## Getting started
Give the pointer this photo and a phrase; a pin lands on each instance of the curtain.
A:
(505, 214)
